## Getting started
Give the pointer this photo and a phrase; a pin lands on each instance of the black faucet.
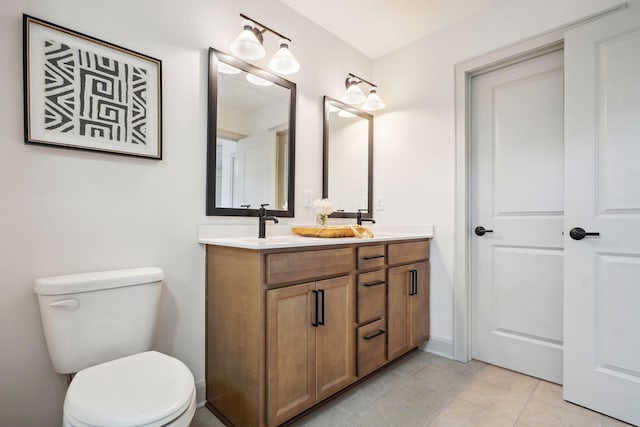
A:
(359, 218)
(262, 219)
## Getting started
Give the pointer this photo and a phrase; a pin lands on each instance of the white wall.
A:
(67, 211)
(415, 135)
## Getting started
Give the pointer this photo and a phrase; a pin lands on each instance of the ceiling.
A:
(377, 27)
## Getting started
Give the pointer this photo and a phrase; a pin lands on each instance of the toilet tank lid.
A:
(86, 282)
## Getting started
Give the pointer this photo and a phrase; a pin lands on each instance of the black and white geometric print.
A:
(91, 95)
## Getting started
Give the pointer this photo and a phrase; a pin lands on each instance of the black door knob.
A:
(578, 233)
(480, 231)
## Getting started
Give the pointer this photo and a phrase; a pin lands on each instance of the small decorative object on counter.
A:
(334, 231)
(323, 208)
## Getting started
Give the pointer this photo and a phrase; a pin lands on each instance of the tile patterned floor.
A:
(427, 390)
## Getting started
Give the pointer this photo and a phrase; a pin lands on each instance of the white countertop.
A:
(207, 236)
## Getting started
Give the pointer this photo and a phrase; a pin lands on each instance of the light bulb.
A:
(283, 62)
(247, 45)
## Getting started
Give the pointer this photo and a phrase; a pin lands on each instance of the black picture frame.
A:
(84, 93)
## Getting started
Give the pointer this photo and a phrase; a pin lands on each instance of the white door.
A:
(602, 273)
(517, 192)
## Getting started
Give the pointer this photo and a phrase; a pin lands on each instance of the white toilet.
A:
(100, 326)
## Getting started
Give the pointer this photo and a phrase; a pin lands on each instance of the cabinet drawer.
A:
(400, 253)
(372, 293)
(295, 266)
(372, 342)
(370, 257)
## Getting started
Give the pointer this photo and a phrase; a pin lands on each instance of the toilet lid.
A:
(146, 389)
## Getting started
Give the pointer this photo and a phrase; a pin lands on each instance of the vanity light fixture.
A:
(248, 46)
(355, 96)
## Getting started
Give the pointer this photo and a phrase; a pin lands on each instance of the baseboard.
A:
(201, 393)
(440, 346)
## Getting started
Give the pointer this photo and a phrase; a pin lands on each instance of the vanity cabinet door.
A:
(310, 345)
(420, 305)
(399, 283)
(291, 351)
(408, 308)
(335, 337)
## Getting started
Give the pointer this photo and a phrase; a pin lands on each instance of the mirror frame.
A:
(325, 156)
(212, 133)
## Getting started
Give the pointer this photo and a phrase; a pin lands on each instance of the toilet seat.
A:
(146, 389)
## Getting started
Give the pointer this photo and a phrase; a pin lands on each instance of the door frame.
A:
(535, 46)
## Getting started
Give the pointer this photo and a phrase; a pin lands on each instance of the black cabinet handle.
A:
(375, 334)
(315, 315)
(578, 233)
(415, 282)
(376, 283)
(372, 257)
(480, 231)
(411, 284)
(321, 322)
(412, 288)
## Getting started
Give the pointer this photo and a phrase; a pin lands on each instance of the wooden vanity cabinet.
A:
(288, 328)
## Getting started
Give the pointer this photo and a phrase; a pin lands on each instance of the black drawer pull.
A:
(372, 257)
(373, 335)
(376, 283)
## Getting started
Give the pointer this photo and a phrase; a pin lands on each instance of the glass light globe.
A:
(283, 62)
(353, 95)
(247, 46)
(373, 102)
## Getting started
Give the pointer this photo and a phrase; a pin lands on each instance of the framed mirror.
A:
(347, 159)
(250, 139)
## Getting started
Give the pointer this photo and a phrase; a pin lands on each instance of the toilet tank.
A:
(92, 318)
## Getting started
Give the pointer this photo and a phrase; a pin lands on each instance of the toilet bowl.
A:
(99, 326)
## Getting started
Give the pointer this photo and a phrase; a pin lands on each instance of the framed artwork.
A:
(85, 93)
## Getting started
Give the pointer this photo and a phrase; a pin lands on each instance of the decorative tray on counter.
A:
(334, 231)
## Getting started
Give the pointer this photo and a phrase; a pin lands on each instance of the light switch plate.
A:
(306, 201)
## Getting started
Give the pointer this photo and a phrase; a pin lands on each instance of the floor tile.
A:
(507, 379)
(205, 418)
(542, 414)
(495, 398)
(441, 380)
(413, 362)
(612, 422)
(464, 414)
(552, 393)
(384, 412)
